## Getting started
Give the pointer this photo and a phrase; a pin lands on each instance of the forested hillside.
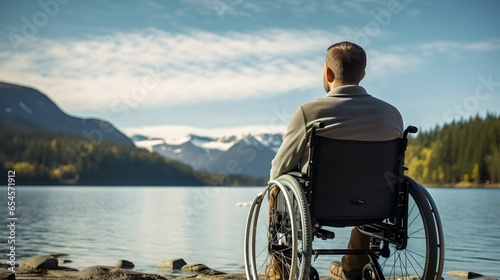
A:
(466, 151)
(46, 146)
(45, 158)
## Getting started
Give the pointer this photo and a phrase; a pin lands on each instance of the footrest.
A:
(324, 234)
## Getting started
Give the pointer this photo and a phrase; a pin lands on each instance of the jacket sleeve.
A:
(294, 145)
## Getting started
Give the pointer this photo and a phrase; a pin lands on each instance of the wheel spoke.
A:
(419, 256)
(288, 218)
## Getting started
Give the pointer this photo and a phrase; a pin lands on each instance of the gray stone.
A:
(63, 272)
(218, 277)
(464, 273)
(7, 274)
(172, 264)
(201, 270)
(195, 267)
(39, 262)
(114, 273)
(125, 264)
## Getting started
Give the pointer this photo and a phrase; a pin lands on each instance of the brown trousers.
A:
(353, 264)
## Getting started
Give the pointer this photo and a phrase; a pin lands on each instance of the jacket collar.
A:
(347, 91)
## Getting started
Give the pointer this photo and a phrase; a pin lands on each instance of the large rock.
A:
(114, 273)
(195, 267)
(201, 269)
(6, 274)
(172, 264)
(219, 277)
(39, 262)
(63, 272)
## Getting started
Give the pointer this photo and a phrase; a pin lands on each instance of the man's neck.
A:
(336, 85)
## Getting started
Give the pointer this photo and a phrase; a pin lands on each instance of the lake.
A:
(101, 225)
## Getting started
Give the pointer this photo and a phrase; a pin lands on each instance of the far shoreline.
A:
(462, 185)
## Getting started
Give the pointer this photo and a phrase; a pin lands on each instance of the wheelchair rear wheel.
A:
(439, 231)
(278, 238)
(419, 260)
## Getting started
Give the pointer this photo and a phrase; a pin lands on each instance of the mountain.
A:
(193, 150)
(248, 154)
(46, 146)
(29, 109)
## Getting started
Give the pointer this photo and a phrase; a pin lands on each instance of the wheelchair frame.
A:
(390, 232)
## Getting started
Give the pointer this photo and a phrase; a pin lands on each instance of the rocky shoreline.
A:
(51, 267)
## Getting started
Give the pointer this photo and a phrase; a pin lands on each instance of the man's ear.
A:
(329, 74)
(362, 75)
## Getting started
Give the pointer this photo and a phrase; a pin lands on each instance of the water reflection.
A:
(146, 225)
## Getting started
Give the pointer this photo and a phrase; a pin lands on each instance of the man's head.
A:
(345, 65)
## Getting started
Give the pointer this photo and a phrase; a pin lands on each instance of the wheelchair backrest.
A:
(353, 182)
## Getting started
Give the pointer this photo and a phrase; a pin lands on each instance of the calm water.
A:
(99, 226)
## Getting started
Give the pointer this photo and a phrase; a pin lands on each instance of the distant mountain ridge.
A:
(46, 146)
(249, 154)
(29, 109)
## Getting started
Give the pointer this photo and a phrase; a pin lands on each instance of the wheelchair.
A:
(348, 183)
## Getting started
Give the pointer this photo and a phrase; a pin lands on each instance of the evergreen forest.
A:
(461, 153)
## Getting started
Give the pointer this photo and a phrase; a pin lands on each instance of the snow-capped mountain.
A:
(237, 154)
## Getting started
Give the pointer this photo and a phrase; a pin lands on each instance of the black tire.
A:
(281, 244)
(304, 229)
(439, 231)
(420, 257)
(313, 274)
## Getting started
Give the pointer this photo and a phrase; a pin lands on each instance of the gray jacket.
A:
(349, 112)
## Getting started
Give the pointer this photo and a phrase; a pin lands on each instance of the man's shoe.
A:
(274, 271)
(337, 272)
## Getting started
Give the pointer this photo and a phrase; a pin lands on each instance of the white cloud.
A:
(449, 46)
(383, 64)
(153, 68)
(157, 68)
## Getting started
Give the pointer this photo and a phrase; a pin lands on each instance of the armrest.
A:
(297, 174)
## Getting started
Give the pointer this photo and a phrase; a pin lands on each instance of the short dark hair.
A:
(347, 62)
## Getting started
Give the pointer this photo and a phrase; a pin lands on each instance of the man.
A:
(350, 113)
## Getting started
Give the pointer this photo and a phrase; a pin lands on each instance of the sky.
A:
(167, 68)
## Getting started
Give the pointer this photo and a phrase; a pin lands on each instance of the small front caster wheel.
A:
(313, 274)
(369, 272)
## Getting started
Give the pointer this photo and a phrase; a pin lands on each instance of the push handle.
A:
(319, 124)
(316, 126)
(410, 129)
(404, 144)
